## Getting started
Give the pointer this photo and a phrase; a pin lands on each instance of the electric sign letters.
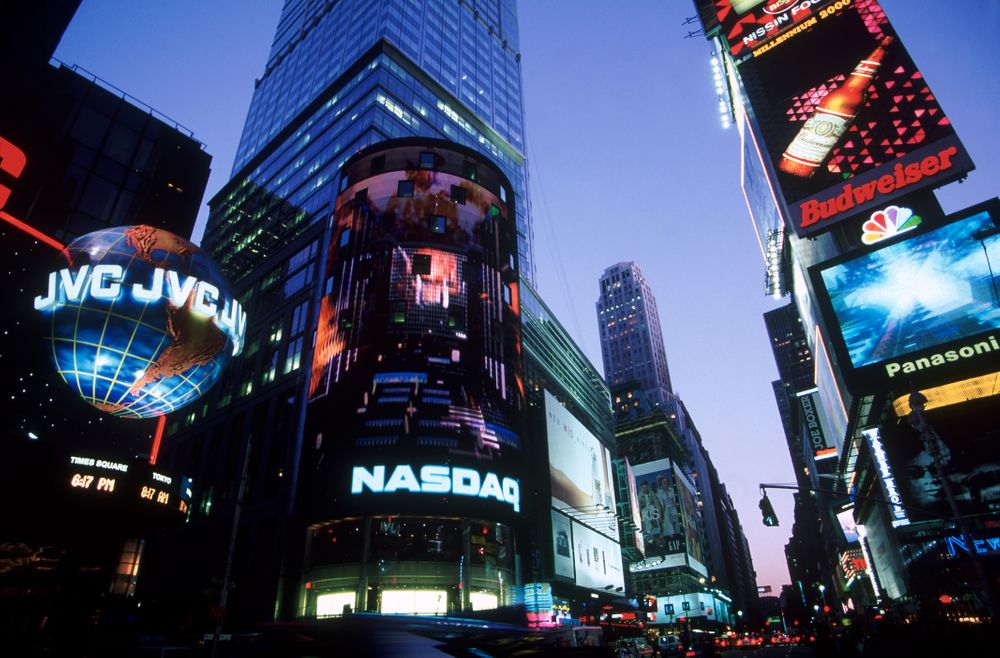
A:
(892, 494)
(106, 282)
(437, 480)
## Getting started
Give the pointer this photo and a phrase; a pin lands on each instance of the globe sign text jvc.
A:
(105, 282)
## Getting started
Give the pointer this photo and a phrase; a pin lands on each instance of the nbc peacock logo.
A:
(888, 223)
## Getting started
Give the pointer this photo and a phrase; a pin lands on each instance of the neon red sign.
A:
(12, 162)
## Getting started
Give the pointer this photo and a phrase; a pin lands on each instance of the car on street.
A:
(670, 645)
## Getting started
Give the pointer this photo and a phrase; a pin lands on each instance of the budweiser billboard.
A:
(847, 121)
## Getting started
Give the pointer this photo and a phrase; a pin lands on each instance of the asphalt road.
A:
(773, 652)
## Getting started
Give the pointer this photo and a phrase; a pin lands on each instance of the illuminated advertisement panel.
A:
(659, 509)
(598, 559)
(848, 525)
(691, 521)
(887, 478)
(749, 24)
(670, 524)
(820, 438)
(847, 120)
(562, 545)
(921, 308)
(852, 561)
(416, 395)
(633, 506)
(580, 469)
(968, 454)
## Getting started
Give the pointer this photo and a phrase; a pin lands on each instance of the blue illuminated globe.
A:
(139, 322)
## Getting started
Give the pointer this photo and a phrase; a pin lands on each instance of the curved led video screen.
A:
(928, 302)
(416, 393)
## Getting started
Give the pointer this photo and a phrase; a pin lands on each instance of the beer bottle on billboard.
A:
(831, 118)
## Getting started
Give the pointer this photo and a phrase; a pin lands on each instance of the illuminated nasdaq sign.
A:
(437, 479)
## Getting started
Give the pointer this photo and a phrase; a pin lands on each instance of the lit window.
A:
(294, 357)
(276, 330)
(404, 188)
(272, 368)
(426, 160)
(438, 224)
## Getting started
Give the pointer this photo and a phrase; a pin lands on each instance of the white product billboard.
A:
(598, 559)
(562, 545)
(580, 468)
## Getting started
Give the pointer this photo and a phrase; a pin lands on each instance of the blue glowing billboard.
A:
(923, 305)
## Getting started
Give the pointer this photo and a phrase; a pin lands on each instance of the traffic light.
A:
(767, 511)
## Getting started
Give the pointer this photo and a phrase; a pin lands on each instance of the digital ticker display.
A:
(129, 484)
(921, 305)
(848, 121)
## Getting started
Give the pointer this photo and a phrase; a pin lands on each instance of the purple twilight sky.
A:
(628, 161)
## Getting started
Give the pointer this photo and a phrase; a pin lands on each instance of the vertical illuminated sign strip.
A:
(161, 422)
(889, 488)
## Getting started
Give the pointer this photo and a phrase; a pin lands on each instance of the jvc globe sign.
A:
(140, 322)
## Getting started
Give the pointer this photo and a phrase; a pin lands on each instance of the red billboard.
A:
(847, 120)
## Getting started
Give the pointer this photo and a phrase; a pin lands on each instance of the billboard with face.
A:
(659, 509)
(969, 457)
(920, 309)
(847, 120)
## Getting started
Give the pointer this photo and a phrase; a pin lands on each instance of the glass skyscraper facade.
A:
(345, 75)
(631, 339)
(341, 76)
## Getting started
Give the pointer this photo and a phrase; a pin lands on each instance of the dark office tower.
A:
(791, 349)
(631, 339)
(415, 422)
